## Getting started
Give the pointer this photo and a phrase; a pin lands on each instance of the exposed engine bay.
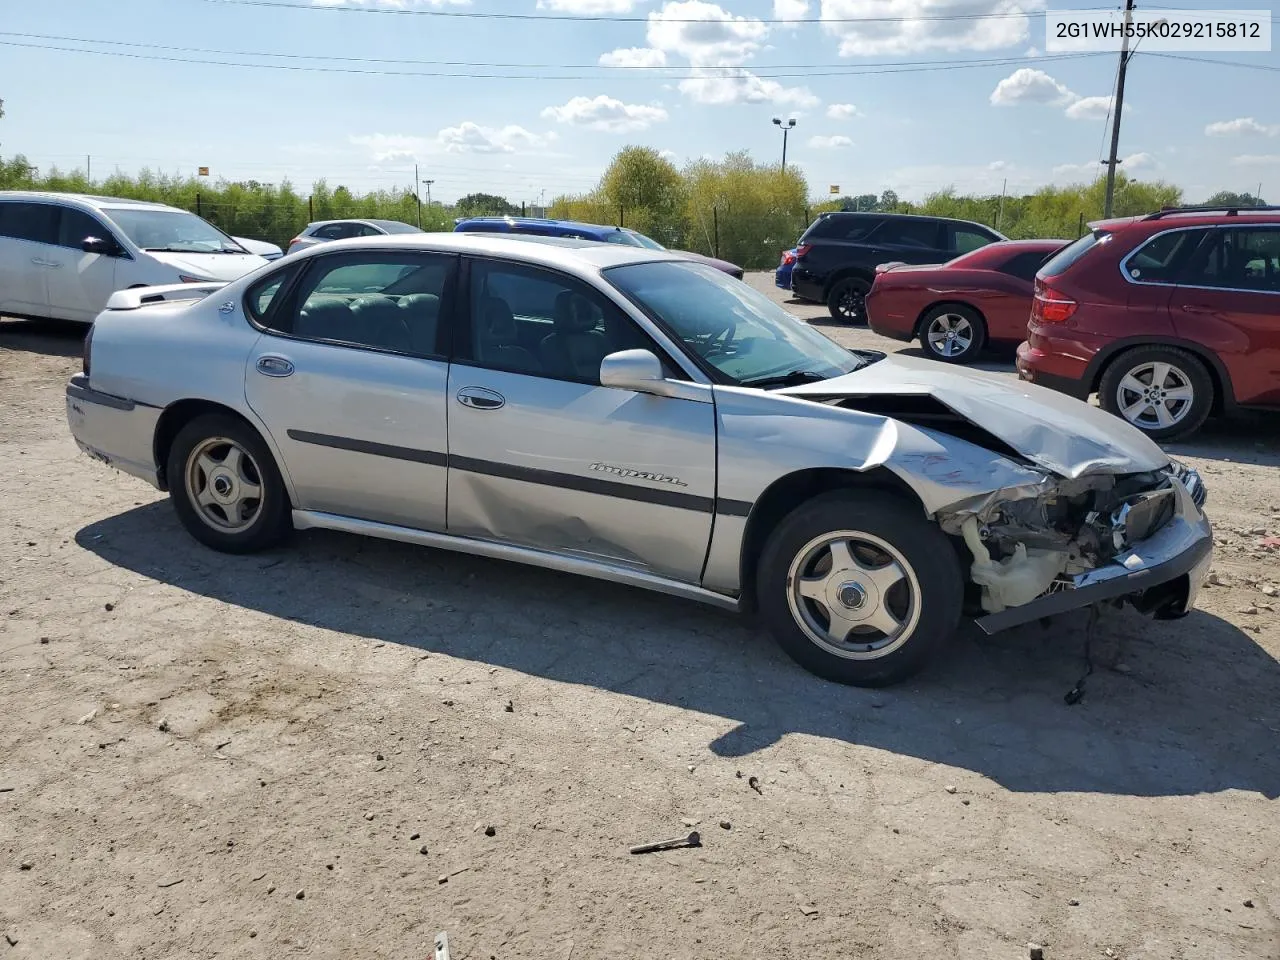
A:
(1030, 541)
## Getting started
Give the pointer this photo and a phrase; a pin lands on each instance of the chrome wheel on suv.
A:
(1163, 391)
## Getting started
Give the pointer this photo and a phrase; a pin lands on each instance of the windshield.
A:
(642, 241)
(738, 331)
(172, 231)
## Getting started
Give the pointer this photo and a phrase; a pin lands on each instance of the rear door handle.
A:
(1197, 308)
(45, 263)
(481, 398)
(274, 366)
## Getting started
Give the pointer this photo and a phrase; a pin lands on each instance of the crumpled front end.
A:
(1059, 544)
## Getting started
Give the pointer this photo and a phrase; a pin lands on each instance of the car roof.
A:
(562, 252)
(1189, 217)
(543, 222)
(88, 199)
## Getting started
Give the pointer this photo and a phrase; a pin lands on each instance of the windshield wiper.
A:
(792, 379)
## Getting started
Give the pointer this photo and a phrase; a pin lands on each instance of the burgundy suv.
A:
(1168, 317)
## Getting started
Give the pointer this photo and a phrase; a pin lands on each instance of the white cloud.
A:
(842, 111)
(1026, 85)
(1137, 162)
(606, 113)
(1077, 170)
(790, 9)
(830, 143)
(468, 137)
(998, 165)
(588, 7)
(1245, 126)
(1256, 160)
(389, 147)
(716, 39)
(669, 155)
(723, 87)
(1031, 52)
(875, 27)
(633, 57)
(1091, 108)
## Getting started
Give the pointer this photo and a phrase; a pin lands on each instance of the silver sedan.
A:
(627, 414)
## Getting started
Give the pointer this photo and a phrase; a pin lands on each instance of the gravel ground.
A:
(337, 749)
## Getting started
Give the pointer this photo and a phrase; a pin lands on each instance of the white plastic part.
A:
(1014, 581)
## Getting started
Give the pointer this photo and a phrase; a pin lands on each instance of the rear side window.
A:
(966, 239)
(852, 228)
(916, 234)
(1160, 258)
(1241, 259)
(1070, 254)
(264, 294)
(36, 222)
(1023, 265)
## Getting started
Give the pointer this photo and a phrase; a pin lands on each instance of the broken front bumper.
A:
(1160, 575)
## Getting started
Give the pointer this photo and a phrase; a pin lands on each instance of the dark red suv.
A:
(1168, 317)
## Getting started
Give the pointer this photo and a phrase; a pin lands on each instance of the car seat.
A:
(497, 342)
(324, 318)
(421, 315)
(576, 347)
(379, 322)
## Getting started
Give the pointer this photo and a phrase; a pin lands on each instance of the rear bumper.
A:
(1065, 375)
(1160, 575)
(117, 431)
(804, 284)
(883, 321)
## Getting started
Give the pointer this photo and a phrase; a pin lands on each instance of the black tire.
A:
(1135, 370)
(934, 581)
(271, 518)
(963, 327)
(847, 300)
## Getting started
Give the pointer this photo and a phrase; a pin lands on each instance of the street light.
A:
(786, 128)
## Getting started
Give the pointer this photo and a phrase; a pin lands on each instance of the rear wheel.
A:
(847, 300)
(859, 587)
(953, 333)
(1165, 392)
(225, 486)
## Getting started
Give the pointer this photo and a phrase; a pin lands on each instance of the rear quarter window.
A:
(1067, 257)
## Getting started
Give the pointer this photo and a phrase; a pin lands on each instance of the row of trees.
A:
(732, 208)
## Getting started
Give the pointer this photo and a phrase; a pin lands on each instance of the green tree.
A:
(642, 185)
(1225, 198)
(485, 205)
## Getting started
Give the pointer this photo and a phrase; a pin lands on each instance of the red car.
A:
(956, 308)
(1168, 317)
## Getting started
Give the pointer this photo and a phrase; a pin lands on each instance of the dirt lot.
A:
(298, 754)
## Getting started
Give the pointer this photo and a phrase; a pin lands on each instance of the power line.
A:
(695, 72)
(614, 18)
(1002, 61)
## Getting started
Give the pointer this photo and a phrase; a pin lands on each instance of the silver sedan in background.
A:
(323, 231)
(627, 414)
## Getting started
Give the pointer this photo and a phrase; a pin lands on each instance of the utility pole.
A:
(417, 194)
(1003, 190)
(786, 129)
(88, 168)
(428, 184)
(1113, 161)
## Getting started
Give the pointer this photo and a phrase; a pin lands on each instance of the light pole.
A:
(786, 129)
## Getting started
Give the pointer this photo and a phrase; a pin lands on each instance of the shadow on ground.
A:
(1198, 709)
(52, 338)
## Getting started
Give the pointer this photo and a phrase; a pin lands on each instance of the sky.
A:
(534, 103)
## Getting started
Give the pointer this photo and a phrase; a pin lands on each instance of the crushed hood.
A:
(212, 266)
(1059, 433)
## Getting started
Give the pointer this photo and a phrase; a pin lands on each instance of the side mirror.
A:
(638, 370)
(99, 245)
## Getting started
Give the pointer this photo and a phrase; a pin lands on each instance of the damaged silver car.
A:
(625, 414)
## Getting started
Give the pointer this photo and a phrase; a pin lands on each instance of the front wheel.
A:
(225, 486)
(859, 587)
(953, 333)
(1165, 392)
(847, 300)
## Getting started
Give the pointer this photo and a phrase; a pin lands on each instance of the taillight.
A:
(803, 249)
(84, 357)
(292, 242)
(788, 257)
(1050, 305)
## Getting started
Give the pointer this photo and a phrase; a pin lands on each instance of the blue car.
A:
(782, 276)
(536, 227)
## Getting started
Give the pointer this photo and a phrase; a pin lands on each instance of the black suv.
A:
(836, 259)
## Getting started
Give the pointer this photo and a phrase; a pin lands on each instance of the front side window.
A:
(172, 231)
(966, 240)
(36, 222)
(76, 226)
(731, 327)
(1238, 259)
(532, 321)
(1159, 259)
(388, 301)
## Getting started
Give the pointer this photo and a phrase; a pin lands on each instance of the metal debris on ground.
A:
(694, 839)
(754, 784)
(442, 946)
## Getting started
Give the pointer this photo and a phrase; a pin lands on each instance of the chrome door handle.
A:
(480, 398)
(45, 263)
(274, 366)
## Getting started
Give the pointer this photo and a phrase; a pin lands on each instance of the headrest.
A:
(574, 313)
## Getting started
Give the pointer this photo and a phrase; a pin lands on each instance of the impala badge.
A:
(638, 474)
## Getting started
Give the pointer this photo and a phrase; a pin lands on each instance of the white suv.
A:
(63, 255)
